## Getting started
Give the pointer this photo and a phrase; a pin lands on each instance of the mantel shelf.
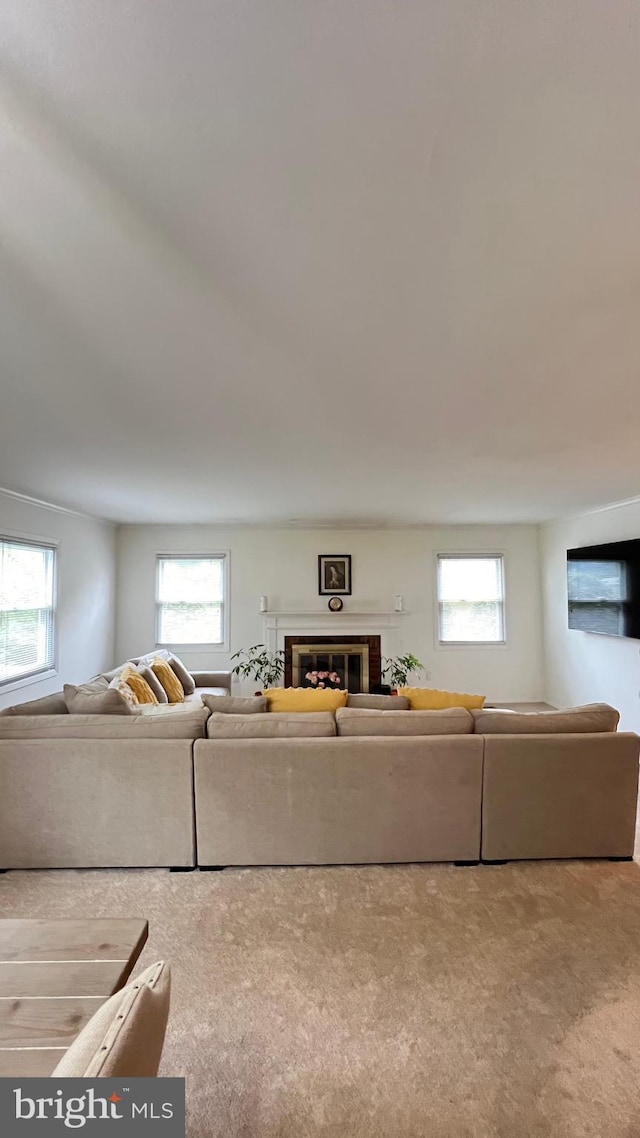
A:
(336, 615)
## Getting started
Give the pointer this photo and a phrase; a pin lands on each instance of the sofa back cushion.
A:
(378, 702)
(157, 654)
(235, 705)
(54, 704)
(177, 726)
(96, 698)
(590, 718)
(154, 683)
(431, 699)
(304, 699)
(186, 679)
(271, 725)
(363, 721)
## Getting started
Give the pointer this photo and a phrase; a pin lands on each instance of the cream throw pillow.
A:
(124, 1038)
(127, 693)
(98, 698)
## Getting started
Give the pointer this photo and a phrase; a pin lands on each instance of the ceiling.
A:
(286, 260)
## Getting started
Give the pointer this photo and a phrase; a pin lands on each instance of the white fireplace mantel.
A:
(277, 625)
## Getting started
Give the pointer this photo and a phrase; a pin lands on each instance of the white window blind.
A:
(27, 609)
(471, 599)
(191, 600)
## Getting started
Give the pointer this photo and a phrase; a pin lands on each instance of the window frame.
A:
(50, 670)
(203, 646)
(468, 555)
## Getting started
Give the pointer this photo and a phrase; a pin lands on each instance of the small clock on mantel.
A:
(335, 604)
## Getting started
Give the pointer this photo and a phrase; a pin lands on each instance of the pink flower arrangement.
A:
(322, 679)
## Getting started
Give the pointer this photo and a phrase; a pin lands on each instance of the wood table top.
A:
(54, 974)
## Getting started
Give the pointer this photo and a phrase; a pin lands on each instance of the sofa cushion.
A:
(236, 705)
(370, 721)
(304, 699)
(271, 725)
(124, 1037)
(157, 654)
(154, 683)
(54, 704)
(589, 718)
(191, 704)
(185, 677)
(144, 726)
(168, 679)
(431, 699)
(378, 702)
(96, 698)
(111, 675)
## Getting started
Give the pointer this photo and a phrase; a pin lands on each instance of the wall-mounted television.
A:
(603, 586)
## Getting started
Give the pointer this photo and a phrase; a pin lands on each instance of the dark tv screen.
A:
(603, 585)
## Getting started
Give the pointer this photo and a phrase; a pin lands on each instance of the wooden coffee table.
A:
(53, 976)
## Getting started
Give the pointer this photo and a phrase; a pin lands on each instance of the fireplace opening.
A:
(335, 662)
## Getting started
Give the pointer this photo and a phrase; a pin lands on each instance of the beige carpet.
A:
(409, 1001)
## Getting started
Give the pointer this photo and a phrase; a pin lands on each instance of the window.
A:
(27, 609)
(191, 600)
(470, 599)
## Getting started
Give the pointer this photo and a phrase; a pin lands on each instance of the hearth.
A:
(351, 662)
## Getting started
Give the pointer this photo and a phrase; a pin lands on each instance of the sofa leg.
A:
(628, 858)
(211, 868)
(181, 868)
(496, 861)
(4, 870)
(472, 861)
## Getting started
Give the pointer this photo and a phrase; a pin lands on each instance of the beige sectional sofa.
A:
(416, 786)
(557, 796)
(90, 790)
(218, 788)
(318, 801)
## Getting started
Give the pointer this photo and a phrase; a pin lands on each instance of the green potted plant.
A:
(259, 664)
(397, 669)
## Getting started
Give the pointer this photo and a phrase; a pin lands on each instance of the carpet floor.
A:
(375, 1002)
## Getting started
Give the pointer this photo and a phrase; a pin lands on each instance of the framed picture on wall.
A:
(334, 574)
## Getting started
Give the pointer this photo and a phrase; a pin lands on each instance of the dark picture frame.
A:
(334, 574)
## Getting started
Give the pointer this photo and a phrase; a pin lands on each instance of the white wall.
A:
(86, 589)
(583, 667)
(282, 563)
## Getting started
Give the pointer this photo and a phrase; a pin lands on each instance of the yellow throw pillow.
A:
(169, 680)
(138, 685)
(430, 699)
(304, 699)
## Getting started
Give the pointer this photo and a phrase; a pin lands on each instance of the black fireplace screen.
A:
(330, 670)
(339, 662)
